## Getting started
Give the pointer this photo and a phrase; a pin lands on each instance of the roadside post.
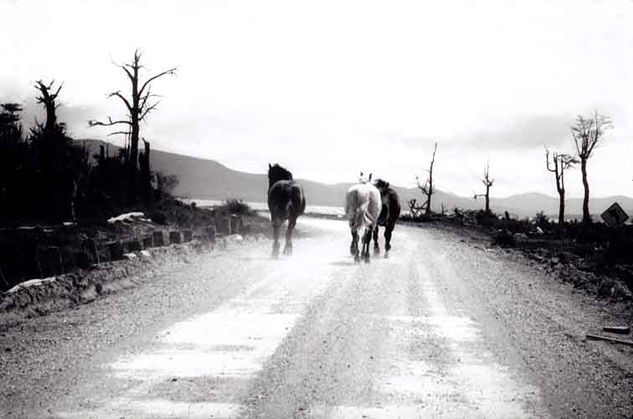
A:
(619, 245)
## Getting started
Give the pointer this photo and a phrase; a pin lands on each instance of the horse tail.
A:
(363, 215)
(359, 218)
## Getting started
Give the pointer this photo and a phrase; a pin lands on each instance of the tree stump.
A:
(223, 225)
(134, 245)
(148, 242)
(116, 250)
(210, 232)
(90, 248)
(175, 237)
(158, 238)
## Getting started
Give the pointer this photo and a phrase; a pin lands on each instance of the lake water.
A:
(263, 207)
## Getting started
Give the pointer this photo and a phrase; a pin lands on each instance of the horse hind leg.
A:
(366, 243)
(291, 225)
(388, 231)
(376, 245)
(276, 227)
(353, 248)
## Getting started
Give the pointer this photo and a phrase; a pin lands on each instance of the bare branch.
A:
(587, 133)
(171, 71)
(424, 188)
(143, 99)
(119, 132)
(124, 68)
(120, 96)
(47, 96)
(95, 123)
(57, 91)
(486, 180)
(547, 159)
(148, 110)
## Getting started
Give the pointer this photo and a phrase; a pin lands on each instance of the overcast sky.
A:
(329, 88)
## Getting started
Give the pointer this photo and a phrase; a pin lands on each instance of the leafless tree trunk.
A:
(587, 133)
(146, 186)
(559, 163)
(487, 183)
(137, 106)
(428, 189)
(48, 98)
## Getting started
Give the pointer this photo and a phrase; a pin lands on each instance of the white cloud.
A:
(329, 87)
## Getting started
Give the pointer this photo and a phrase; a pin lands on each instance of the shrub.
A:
(542, 220)
(486, 219)
(238, 207)
(504, 238)
(159, 217)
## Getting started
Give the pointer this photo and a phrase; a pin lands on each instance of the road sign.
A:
(614, 216)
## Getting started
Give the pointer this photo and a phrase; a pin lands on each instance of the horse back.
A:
(286, 199)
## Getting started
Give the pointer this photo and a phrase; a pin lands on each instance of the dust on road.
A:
(438, 329)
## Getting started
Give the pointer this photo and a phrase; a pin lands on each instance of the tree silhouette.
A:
(557, 163)
(13, 153)
(428, 188)
(56, 166)
(587, 133)
(138, 105)
(487, 183)
(47, 98)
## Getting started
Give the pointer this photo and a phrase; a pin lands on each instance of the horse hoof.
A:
(288, 251)
(356, 258)
(376, 250)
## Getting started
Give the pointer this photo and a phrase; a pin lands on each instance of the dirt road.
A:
(440, 328)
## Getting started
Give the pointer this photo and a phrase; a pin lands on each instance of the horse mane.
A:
(381, 184)
(277, 173)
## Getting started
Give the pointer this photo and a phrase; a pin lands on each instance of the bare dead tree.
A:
(138, 105)
(414, 208)
(557, 163)
(587, 133)
(428, 188)
(487, 183)
(47, 98)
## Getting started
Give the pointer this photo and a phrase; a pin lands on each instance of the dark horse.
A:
(285, 202)
(388, 214)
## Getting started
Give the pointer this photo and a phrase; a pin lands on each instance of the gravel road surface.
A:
(440, 328)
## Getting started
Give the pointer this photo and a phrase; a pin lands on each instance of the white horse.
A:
(362, 206)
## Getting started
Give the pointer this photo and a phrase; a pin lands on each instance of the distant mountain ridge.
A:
(208, 179)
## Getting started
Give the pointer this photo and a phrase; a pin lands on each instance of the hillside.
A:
(208, 179)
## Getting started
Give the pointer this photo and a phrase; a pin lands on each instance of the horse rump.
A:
(285, 202)
(362, 206)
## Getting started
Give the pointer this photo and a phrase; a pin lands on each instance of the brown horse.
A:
(388, 214)
(286, 201)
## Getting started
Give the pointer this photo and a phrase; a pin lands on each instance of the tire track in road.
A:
(435, 363)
